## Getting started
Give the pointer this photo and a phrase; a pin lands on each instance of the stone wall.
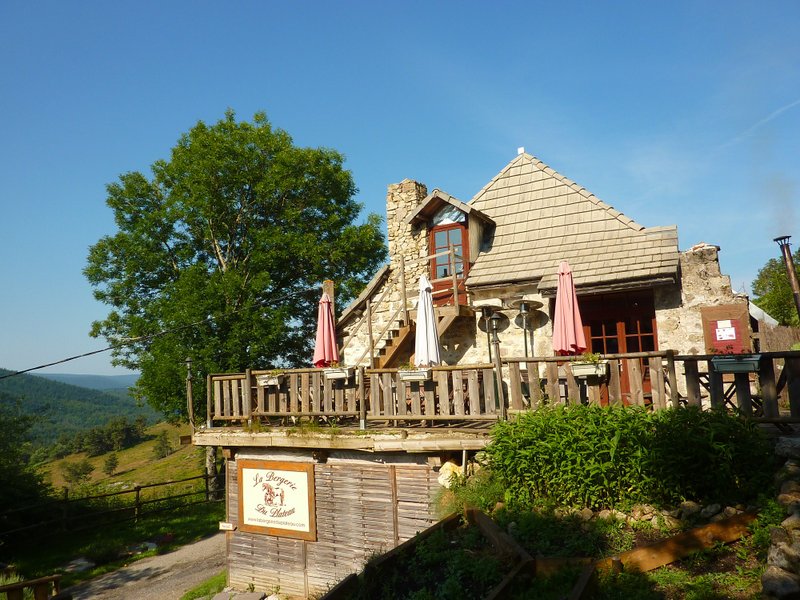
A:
(678, 319)
(404, 240)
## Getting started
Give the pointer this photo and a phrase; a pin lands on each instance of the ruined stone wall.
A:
(680, 326)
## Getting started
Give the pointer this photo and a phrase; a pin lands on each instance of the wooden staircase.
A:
(401, 338)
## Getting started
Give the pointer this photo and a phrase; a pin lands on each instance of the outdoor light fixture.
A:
(495, 322)
(784, 244)
(486, 315)
(524, 311)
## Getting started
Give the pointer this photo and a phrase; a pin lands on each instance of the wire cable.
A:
(144, 338)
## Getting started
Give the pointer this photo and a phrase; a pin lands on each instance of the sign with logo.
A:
(277, 498)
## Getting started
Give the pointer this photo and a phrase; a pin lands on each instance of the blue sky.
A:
(683, 113)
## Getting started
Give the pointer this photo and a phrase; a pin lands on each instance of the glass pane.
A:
(648, 343)
(440, 239)
(596, 329)
(610, 328)
(459, 267)
(441, 271)
(612, 346)
(646, 325)
(455, 236)
(632, 343)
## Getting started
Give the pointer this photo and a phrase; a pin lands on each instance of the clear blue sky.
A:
(682, 113)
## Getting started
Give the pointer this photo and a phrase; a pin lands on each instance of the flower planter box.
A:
(589, 369)
(270, 380)
(736, 364)
(338, 372)
(414, 375)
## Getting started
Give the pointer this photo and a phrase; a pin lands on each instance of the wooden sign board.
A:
(277, 498)
(726, 328)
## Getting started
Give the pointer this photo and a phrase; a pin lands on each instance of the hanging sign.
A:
(277, 498)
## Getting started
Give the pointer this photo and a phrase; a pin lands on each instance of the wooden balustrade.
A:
(765, 386)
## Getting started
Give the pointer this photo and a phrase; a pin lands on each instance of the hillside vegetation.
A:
(137, 465)
(63, 409)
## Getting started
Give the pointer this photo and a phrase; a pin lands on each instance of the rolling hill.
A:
(62, 408)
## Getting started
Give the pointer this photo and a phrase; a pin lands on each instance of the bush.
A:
(602, 457)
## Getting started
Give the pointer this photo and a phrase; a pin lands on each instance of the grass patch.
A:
(209, 587)
(110, 546)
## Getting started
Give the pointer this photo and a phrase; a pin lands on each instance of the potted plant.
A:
(337, 371)
(589, 364)
(273, 378)
(409, 372)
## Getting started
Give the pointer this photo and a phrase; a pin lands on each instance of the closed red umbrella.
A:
(568, 335)
(325, 349)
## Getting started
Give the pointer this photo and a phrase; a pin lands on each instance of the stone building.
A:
(636, 290)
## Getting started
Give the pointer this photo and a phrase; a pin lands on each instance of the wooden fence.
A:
(89, 512)
(765, 386)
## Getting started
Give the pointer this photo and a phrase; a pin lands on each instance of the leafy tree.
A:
(23, 485)
(163, 448)
(773, 293)
(110, 464)
(225, 248)
(77, 473)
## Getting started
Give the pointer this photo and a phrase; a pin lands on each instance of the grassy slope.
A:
(137, 465)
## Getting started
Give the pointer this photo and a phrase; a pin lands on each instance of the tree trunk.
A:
(211, 471)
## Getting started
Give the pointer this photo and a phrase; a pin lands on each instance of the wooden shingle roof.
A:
(543, 218)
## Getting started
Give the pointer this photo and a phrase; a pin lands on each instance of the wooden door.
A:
(621, 323)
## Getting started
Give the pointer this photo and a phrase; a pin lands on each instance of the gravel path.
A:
(166, 576)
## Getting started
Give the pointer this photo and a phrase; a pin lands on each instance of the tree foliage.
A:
(773, 293)
(226, 247)
(22, 483)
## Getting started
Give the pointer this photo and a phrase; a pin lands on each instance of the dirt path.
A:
(166, 576)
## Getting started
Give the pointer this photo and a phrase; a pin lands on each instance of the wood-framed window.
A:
(440, 239)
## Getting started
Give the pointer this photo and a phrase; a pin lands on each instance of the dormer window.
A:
(448, 227)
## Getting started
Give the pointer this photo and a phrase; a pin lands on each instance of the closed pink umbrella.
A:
(568, 335)
(325, 349)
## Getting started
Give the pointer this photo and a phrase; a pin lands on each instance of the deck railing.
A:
(765, 386)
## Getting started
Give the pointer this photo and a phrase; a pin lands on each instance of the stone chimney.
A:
(401, 199)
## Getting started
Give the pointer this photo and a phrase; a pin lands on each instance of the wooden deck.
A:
(475, 396)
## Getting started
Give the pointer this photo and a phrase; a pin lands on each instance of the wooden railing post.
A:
(692, 374)
(792, 367)
(498, 378)
(403, 293)
(672, 378)
(137, 507)
(209, 397)
(716, 386)
(205, 481)
(454, 274)
(769, 391)
(362, 399)
(371, 344)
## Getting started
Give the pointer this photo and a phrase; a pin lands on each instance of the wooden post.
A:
(189, 395)
(209, 393)
(205, 480)
(362, 400)
(792, 367)
(614, 385)
(769, 392)
(672, 377)
(403, 292)
(137, 507)
(455, 275)
(369, 335)
(692, 373)
(716, 386)
(743, 399)
(498, 377)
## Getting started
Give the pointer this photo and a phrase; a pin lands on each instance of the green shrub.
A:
(602, 457)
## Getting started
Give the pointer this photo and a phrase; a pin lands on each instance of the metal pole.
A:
(784, 244)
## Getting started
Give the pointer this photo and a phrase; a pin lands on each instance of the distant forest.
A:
(62, 410)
